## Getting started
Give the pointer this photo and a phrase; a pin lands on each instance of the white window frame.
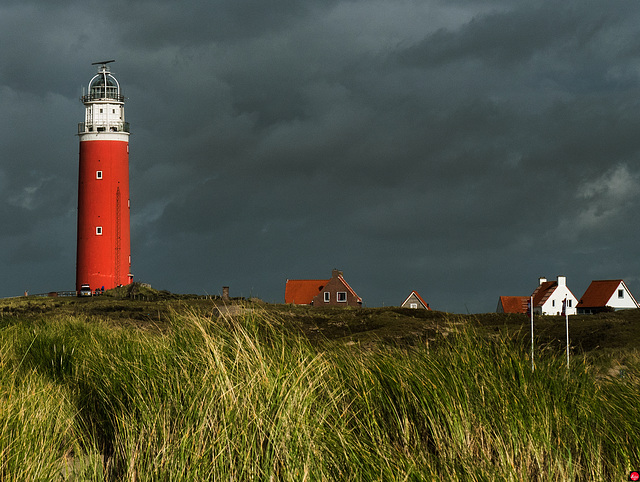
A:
(98, 174)
(620, 294)
(413, 305)
(327, 296)
(98, 230)
(338, 296)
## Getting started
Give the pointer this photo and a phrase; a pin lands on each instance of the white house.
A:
(603, 295)
(549, 296)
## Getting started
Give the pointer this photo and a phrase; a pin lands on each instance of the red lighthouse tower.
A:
(104, 256)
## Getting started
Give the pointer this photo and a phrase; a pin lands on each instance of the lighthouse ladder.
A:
(117, 280)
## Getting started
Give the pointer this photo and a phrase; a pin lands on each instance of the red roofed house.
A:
(332, 292)
(604, 295)
(549, 295)
(513, 304)
(414, 300)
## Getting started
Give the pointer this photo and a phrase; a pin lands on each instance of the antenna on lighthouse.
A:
(103, 62)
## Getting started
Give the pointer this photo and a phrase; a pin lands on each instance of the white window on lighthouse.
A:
(98, 174)
(98, 230)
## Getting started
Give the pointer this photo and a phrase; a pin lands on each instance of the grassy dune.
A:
(263, 394)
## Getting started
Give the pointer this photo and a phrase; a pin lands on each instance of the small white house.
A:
(553, 297)
(603, 295)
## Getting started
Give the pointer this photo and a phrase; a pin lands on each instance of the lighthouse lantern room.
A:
(103, 251)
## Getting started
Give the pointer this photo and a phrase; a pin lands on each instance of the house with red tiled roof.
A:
(414, 300)
(332, 292)
(513, 304)
(605, 295)
(549, 297)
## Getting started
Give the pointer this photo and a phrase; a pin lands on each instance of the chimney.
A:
(225, 293)
(562, 280)
(335, 273)
(541, 280)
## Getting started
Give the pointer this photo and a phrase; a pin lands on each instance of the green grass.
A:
(283, 393)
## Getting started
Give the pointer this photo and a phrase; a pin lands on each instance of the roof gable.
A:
(419, 298)
(340, 279)
(600, 292)
(327, 296)
(302, 291)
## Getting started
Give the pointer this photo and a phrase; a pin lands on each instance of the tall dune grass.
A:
(39, 434)
(242, 398)
(474, 410)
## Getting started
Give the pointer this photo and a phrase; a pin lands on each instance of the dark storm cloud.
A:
(156, 24)
(516, 35)
(461, 149)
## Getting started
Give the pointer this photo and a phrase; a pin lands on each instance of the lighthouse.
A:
(103, 251)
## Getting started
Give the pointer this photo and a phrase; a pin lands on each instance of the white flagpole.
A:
(531, 312)
(566, 317)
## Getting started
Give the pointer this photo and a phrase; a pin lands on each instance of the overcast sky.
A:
(459, 148)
